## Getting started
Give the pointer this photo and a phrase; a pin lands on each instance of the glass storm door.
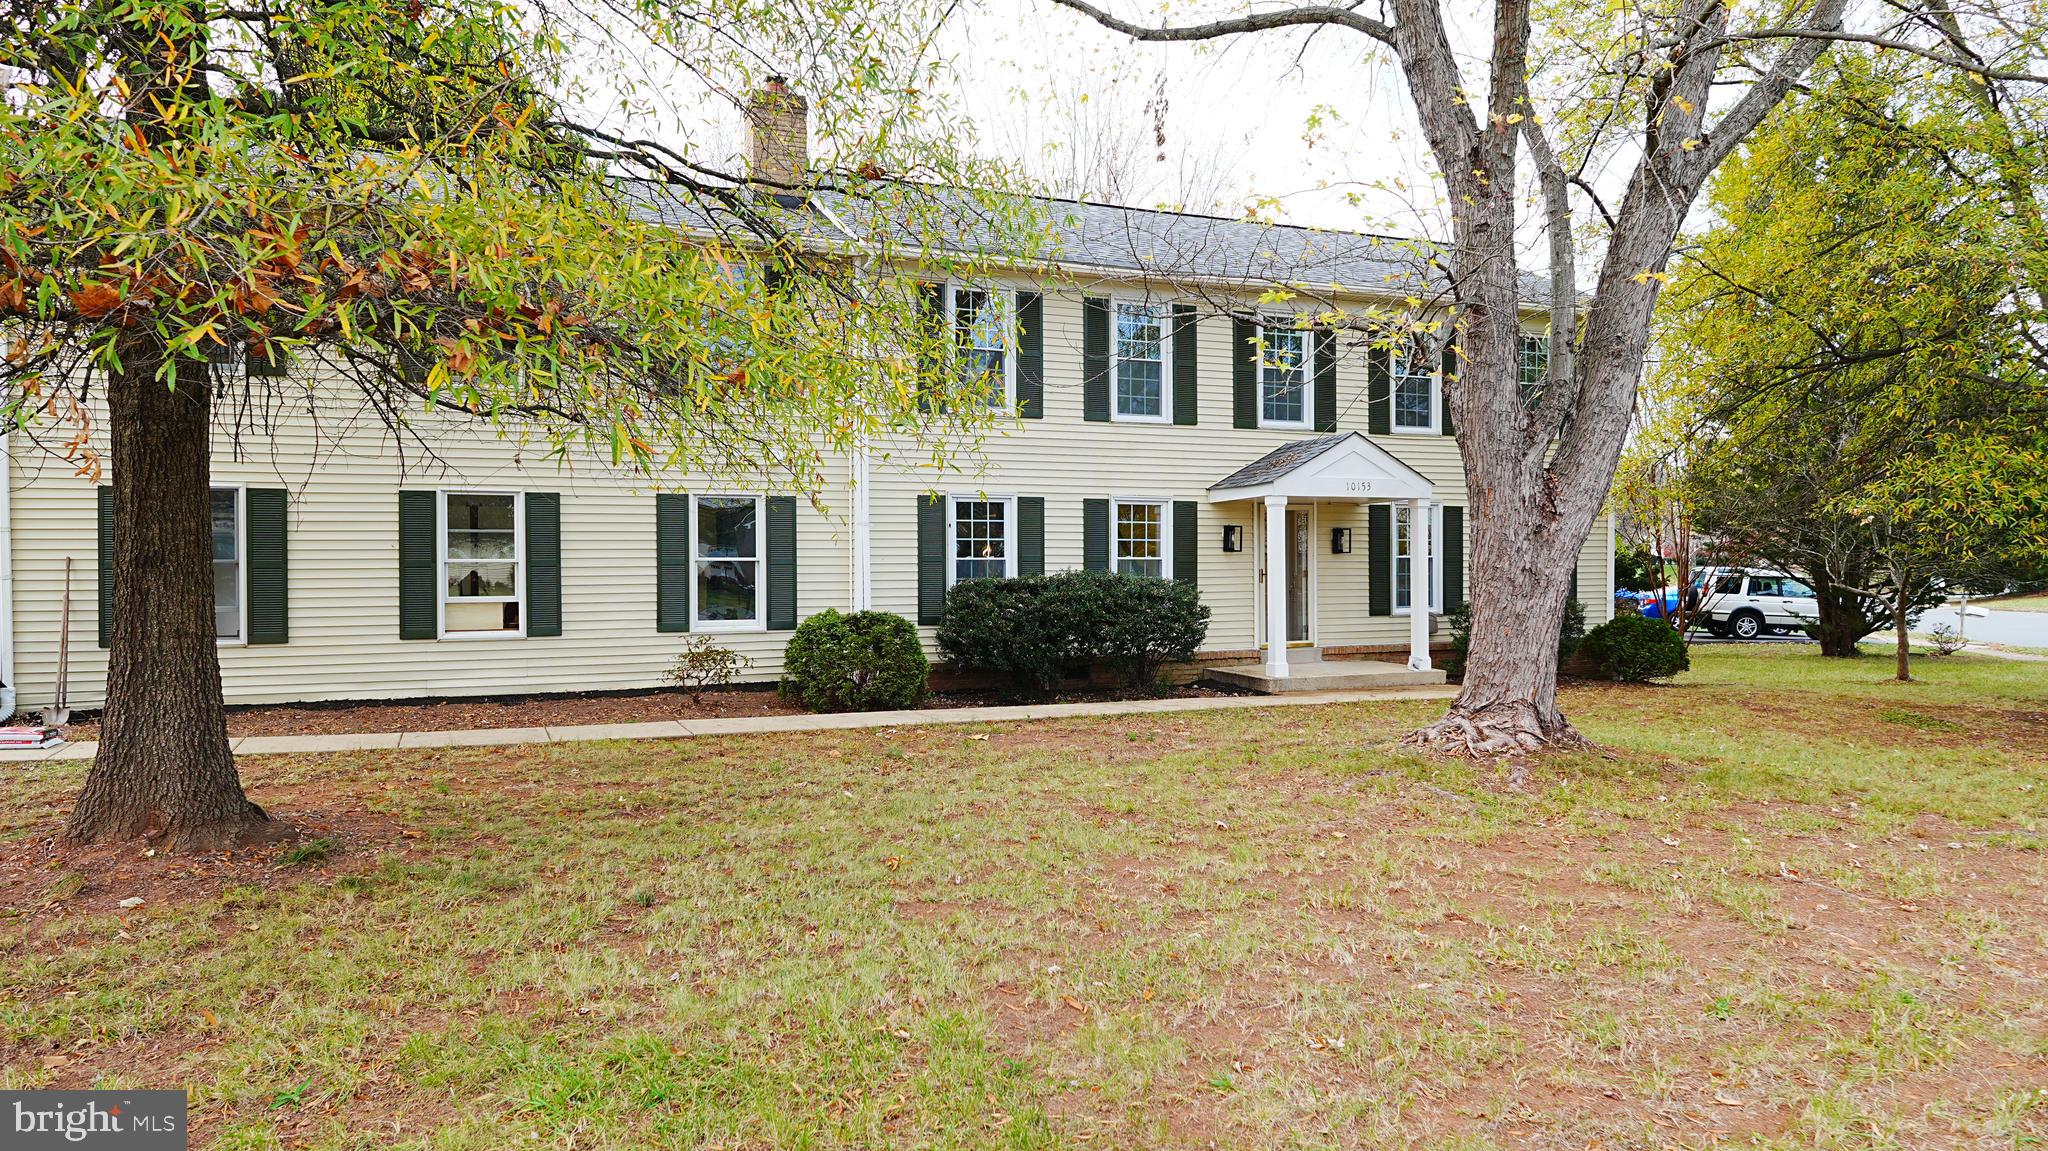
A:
(1299, 603)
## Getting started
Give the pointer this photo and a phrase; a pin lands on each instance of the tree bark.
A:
(1841, 621)
(1901, 609)
(163, 769)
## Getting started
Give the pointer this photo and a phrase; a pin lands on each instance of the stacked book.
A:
(29, 738)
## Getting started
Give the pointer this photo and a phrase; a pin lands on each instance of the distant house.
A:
(1152, 436)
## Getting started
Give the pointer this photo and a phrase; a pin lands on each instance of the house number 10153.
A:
(1357, 485)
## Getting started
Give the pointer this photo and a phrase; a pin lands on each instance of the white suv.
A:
(1747, 604)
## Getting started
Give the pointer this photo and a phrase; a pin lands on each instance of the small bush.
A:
(702, 663)
(1944, 640)
(1033, 630)
(1635, 648)
(1571, 631)
(864, 661)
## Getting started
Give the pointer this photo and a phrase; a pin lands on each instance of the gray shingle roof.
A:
(1110, 238)
(1280, 461)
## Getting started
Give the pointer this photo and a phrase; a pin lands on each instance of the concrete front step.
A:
(1325, 675)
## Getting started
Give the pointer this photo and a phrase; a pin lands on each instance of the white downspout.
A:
(863, 530)
(8, 695)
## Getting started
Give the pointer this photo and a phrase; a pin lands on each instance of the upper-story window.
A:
(1415, 390)
(1140, 362)
(1284, 370)
(982, 332)
(1532, 364)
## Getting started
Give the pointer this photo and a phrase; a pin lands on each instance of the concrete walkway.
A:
(752, 725)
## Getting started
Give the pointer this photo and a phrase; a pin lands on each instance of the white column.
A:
(1418, 585)
(1276, 587)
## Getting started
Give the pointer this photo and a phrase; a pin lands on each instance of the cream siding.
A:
(344, 471)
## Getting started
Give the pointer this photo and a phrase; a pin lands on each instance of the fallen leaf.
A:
(1073, 1003)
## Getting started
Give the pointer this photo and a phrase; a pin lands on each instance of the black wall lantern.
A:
(1340, 541)
(1233, 537)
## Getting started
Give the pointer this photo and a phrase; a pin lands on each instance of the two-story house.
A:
(1315, 499)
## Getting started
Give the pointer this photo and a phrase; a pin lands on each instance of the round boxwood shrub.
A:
(1636, 648)
(863, 661)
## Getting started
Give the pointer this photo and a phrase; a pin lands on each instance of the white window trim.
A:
(1436, 560)
(1436, 397)
(441, 567)
(1308, 374)
(1165, 507)
(1009, 503)
(1165, 415)
(760, 620)
(241, 561)
(1005, 302)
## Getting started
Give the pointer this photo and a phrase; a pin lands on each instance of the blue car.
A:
(1655, 608)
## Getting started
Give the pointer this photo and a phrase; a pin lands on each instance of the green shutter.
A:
(1095, 359)
(781, 563)
(1380, 559)
(1244, 374)
(932, 345)
(931, 557)
(1575, 578)
(267, 582)
(418, 557)
(270, 359)
(1095, 535)
(1030, 535)
(1326, 381)
(1187, 541)
(1443, 387)
(1030, 355)
(1453, 552)
(543, 564)
(105, 564)
(1379, 391)
(1186, 400)
(671, 562)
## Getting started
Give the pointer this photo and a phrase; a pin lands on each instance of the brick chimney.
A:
(778, 134)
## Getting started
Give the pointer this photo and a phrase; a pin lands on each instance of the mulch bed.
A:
(342, 718)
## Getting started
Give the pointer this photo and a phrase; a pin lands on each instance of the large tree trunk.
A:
(1840, 620)
(163, 769)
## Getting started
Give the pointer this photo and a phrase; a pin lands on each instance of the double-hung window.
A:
(1404, 591)
(483, 550)
(229, 616)
(1415, 391)
(1284, 371)
(982, 333)
(1532, 364)
(984, 534)
(1142, 546)
(725, 559)
(1141, 362)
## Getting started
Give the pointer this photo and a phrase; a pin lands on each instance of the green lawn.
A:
(2037, 602)
(1795, 906)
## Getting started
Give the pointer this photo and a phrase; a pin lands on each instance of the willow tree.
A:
(1595, 126)
(405, 196)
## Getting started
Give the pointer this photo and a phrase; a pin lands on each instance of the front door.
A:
(1299, 602)
(1300, 576)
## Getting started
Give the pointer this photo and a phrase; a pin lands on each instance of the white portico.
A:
(1283, 488)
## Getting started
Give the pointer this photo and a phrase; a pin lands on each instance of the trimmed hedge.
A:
(1636, 648)
(863, 661)
(1033, 630)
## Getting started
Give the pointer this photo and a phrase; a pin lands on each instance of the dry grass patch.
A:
(1772, 917)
